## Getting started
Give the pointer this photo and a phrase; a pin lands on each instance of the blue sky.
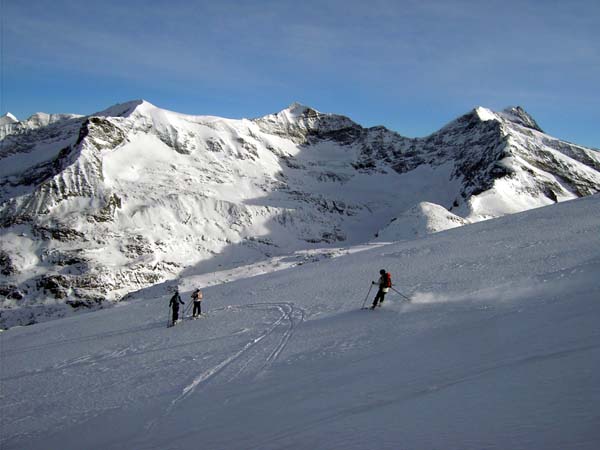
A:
(411, 66)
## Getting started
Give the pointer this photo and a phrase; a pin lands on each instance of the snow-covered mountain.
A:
(8, 119)
(498, 349)
(95, 207)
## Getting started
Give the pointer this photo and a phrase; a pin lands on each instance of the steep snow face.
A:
(95, 207)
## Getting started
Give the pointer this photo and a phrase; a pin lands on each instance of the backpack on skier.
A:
(387, 280)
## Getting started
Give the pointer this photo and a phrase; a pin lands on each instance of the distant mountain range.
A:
(94, 207)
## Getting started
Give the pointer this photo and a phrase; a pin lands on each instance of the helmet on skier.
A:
(382, 271)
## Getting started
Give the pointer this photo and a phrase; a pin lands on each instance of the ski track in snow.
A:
(270, 342)
(80, 340)
(290, 317)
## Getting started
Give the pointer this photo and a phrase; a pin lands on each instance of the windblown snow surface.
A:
(499, 349)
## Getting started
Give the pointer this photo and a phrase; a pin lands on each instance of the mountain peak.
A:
(298, 109)
(485, 114)
(299, 120)
(127, 109)
(514, 114)
(518, 115)
(7, 119)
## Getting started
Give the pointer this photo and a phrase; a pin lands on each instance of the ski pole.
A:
(401, 294)
(370, 287)
(185, 310)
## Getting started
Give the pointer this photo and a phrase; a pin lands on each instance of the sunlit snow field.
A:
(499, 349)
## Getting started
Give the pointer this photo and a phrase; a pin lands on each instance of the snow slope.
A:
(423, 219)
(498, 349)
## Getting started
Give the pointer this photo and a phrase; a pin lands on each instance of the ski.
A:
(172, 324)
(199, 316)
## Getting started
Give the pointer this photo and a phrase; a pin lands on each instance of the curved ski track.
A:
(240, 361)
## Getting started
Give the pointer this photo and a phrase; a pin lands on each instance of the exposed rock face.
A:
(92, 208)
(7, 267)
(304, 125)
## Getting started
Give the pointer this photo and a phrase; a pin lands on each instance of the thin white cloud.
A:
(235, 40)
(463, 51)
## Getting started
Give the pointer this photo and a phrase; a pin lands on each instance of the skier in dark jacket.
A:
(385, 283)
(174, 304)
